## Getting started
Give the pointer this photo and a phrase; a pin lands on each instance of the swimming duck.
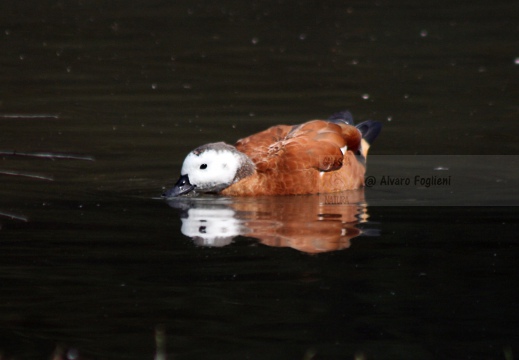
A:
(319, 156)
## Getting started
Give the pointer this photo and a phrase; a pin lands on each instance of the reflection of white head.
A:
(212, 227)
(213, 167)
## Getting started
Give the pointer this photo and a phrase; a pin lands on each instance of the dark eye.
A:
(203, 166)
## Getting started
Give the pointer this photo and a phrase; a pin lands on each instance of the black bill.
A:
(183, 186)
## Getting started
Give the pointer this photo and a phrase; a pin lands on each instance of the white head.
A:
(211, 168)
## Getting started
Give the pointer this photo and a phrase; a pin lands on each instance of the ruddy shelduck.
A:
(319, 156)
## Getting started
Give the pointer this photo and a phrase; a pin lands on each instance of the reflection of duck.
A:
(305, 223)
(212, 227)
(320, 156)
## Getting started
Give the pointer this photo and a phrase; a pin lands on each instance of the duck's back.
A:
(317, 144)
(315, 157)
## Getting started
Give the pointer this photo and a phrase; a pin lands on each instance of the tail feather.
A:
(370, 130)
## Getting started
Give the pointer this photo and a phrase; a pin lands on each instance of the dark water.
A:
(93, 265)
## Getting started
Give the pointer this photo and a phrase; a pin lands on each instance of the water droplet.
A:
(7, 32)
(254, 40)
(115, 27)
(424, 33)
(22, 57)
(154, 86)
(516, 61)
(302, 36)
(441, 168)
(389, 118)
(365, 96)
(355, 62)
(406, 96)
(69, 69)
(187, 86)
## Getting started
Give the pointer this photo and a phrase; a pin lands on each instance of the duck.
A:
(315, 157)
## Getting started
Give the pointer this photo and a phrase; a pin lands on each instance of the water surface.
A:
(99, 105)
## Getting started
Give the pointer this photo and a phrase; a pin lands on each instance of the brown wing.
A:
(316, 144)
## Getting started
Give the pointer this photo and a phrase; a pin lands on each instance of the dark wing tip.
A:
(342, 117)
(370, 130)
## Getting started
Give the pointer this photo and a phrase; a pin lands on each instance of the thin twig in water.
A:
(13, 216)
(29, 116)
(28, 175)
(47, 155)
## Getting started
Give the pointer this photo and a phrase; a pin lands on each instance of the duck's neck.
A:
(246, 173)
(246, 168)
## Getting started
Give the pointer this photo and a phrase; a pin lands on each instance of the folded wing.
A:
(316, 144)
